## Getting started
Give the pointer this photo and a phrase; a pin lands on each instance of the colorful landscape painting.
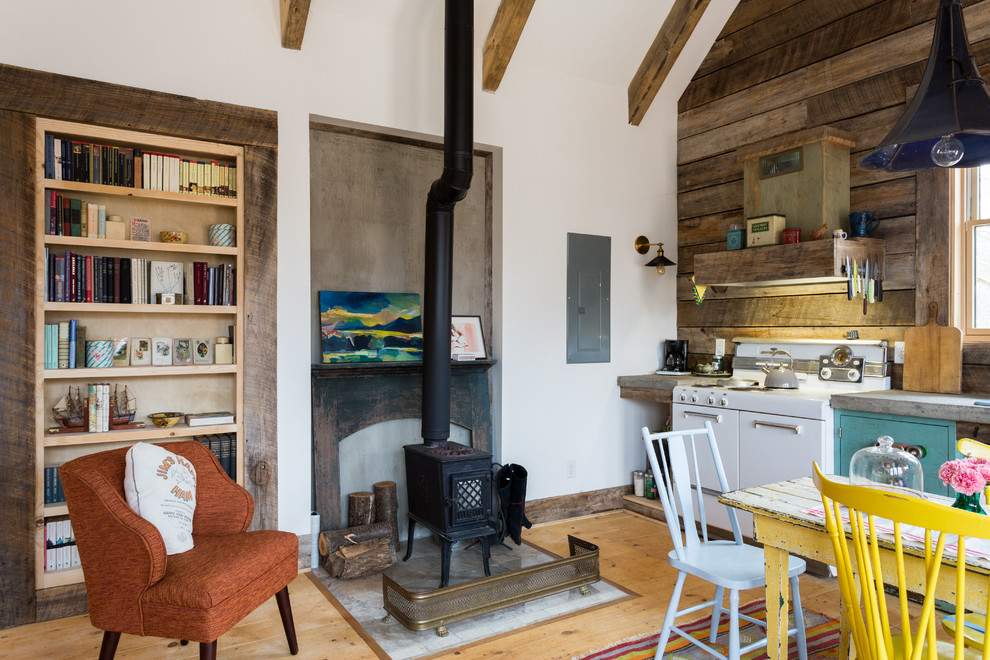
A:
(358, 326)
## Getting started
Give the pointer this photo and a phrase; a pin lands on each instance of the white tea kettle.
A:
(778, 376)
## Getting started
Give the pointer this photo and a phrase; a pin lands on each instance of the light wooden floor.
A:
(633, 552)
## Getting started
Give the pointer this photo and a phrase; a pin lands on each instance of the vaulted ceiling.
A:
(601, 40)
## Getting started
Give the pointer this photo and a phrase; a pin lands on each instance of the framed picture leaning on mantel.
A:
(467, 340)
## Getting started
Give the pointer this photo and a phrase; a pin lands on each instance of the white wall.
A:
(571, 164)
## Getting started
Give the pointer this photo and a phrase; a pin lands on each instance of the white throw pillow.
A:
(161, 488)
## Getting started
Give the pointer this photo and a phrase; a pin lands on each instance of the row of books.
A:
(65, 345)
(85, 278)
(60, 546)
(86, 162)
(53, 486)
(224, 447)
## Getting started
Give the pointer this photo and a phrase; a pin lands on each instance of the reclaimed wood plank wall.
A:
(780, 66)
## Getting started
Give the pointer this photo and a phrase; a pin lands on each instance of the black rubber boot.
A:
(517, 503)
(502, 481)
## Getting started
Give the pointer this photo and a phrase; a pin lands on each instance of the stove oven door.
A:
(725, 424)
(777, 447)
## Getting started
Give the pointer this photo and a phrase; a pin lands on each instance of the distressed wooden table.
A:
(783, 524)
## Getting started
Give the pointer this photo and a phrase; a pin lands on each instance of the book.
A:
(72, 344)
(227, 455)
(75, 217)
(63, 345)
(209, 418)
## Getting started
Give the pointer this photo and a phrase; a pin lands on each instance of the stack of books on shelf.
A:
(85, 278)
(53, 486)
(60, 546)
(210, 285)
(71, 160)
(224, 447)
(65, 345)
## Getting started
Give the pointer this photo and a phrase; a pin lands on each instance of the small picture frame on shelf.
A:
(202, 350)
(121, 358)
(182, 351)
(467, 340)
(140, 351)
(161, 351)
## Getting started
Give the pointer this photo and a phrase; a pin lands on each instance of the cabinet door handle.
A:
(793, 427)
(717, 418)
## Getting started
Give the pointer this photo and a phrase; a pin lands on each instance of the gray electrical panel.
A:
(589, 264)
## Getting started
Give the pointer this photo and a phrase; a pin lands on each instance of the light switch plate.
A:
(719, 347)
(898, 352)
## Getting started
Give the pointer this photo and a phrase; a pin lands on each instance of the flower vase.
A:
(969, 503)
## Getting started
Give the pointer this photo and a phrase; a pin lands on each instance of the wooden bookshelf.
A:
(183, 388)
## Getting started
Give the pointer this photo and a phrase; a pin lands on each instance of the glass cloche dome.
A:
(886, 466)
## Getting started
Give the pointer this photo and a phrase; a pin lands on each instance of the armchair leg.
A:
(208, 650)
(109, 646)
(285, 611)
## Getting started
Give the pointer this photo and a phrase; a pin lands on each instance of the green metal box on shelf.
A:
(934, 439)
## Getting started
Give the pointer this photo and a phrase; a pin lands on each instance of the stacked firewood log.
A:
(366, 545)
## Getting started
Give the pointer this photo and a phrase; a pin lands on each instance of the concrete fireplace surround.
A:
(350, 397)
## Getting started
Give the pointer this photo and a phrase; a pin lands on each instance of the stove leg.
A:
(445, 562)
(485, 554)
(412, 528)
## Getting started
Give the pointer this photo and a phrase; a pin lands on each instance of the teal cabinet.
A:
(855, 430)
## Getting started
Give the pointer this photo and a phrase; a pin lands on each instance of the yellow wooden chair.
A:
(868, 620)
(974, 631)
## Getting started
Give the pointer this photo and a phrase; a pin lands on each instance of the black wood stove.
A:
(449, 489)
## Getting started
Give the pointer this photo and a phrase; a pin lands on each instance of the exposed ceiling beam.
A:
(510, 19)
(659, 60)
(294, 14)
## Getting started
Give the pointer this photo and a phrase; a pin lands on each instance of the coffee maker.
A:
(674, 358)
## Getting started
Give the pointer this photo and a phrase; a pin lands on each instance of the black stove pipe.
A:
(450, 188)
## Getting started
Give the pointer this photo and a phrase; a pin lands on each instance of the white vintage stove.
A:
(767, 435)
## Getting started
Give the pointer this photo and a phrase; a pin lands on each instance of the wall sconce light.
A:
(661, 262)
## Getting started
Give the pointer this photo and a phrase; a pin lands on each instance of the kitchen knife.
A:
(849, 279)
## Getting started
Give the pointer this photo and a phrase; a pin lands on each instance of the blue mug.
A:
(862, 223)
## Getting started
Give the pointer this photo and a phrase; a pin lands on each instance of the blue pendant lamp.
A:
(947, 123)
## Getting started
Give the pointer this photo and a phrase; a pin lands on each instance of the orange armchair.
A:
(134, 587)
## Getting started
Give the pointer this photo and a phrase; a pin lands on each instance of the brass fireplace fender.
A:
(435, 609)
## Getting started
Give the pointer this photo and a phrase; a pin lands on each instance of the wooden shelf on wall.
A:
(812, 262)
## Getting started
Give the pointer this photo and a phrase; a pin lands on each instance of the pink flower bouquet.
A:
(966, 475)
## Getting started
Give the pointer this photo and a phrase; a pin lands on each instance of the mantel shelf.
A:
(812, 262)
(366, 369)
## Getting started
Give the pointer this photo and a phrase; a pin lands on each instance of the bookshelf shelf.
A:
(191, 388)
(53, 510)
(140, 193)
(117, 308)
(150, 432)
(139, 372)
(108, 243)
(61, 578)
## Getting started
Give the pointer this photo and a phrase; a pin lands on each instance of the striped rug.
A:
(822, 634)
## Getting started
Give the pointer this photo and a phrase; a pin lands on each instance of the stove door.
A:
(777, 447)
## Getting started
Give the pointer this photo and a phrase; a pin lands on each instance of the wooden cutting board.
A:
(933, 357)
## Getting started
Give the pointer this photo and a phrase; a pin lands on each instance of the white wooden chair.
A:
(726, 564)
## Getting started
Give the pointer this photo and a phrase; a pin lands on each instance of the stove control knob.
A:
(825, 373)
(723, 401)
(711, 401)
(694, 398)
(683, 397)
(853, 374)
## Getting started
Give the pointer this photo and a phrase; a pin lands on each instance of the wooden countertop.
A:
(957, 407)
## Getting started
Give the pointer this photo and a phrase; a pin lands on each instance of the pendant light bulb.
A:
(947, 152)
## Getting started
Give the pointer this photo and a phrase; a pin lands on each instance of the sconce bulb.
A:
(947, 152)
(660, 269)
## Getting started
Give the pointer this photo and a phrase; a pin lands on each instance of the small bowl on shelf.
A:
(173, 236)
(165, 419)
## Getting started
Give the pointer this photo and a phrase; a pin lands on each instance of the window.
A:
(971, 193)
